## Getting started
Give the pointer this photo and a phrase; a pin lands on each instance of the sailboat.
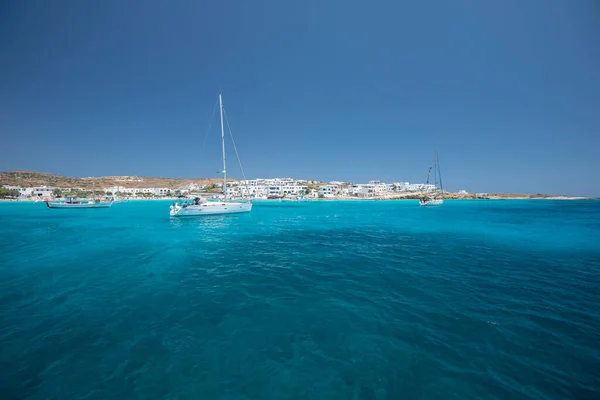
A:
(199, 206)
(437, 197)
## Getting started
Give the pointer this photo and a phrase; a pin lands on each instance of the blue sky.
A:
(508, 91)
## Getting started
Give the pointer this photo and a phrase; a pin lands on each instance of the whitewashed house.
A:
(114, 189)
(42, 191)
(329, 190)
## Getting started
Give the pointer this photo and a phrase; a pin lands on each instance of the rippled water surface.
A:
(319, 300)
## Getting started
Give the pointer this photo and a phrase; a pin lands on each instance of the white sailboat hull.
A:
(432, 202)
(210, 208)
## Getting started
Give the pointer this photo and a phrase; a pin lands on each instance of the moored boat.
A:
(74, 202)
(199, 207)
(437, 197)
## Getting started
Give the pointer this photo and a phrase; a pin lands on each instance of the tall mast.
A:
(437, 162)
(223, 146)
(435, 169)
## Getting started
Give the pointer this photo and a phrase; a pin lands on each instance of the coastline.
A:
(347, 198)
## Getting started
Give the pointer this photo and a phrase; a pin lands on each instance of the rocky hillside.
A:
(31, 178)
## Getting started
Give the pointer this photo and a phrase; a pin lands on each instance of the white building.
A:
(413, 187)
(162, 191)
(401, 186)
(114, 189)
(42, 191)
(271, 187)
(38, 191)
(329, 190)
(23, 192)
(364, 190)
(253, 191)
(191, 188)
(380, 188)
(373, 188)
(421, 187)
(293, 188)
(9, 187)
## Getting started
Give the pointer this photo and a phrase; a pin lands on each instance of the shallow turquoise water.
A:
(321, 300)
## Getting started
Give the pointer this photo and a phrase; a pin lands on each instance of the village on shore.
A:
(272, 188)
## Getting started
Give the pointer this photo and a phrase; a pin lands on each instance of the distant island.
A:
(31, 184)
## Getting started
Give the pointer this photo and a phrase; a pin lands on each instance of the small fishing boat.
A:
(437, 197)
(74, 202)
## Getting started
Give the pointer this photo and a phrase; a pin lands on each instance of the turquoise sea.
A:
(317, 300)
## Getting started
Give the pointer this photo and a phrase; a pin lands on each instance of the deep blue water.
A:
(320, 300)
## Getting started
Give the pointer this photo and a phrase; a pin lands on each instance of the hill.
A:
(32, 178)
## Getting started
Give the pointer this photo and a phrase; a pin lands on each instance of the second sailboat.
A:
(437, 197)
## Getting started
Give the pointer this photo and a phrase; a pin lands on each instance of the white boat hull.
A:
(432, 202)
(210, 208)
(84, 204)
